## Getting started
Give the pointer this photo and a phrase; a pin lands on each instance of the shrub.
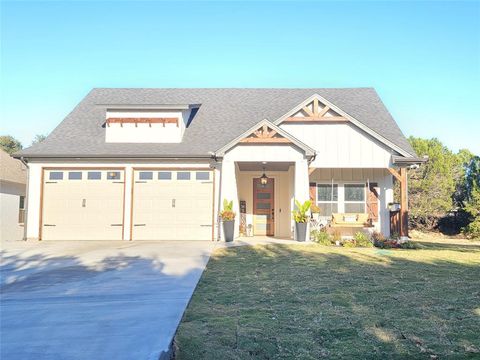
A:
(322, 237)
(362, 240)
(227, 214)
(385, 244)
(300, 213)
(349, 243)
(409, 245)
(472, 230)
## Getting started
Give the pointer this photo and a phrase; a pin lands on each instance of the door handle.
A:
(84, 202)
(173, 203)
(273, 214)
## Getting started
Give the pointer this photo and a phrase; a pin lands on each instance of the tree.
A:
(432, 185)
(472, 198)
(9, 144)
(38, 139)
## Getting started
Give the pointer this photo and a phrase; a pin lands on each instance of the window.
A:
(94, 175)
(202, 175)
(113, 175)
(165, 175)
(145, 175)
(75, 175)
(21, 210)
(183, 175)
(354, 198)
(327, 199)
(56, 175)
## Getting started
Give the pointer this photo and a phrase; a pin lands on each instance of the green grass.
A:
(312, 302)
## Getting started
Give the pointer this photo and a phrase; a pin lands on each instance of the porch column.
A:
(228, 190)
(401, 176)
(301, 181)
(403, 203)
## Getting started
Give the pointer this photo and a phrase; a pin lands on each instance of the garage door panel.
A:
(83, 209)
(172, 209)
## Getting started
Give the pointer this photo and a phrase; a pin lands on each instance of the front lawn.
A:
(311, 302)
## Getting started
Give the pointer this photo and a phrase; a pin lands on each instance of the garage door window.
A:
(165, 175)
(56, 175)
(75, 175)
(113, 175)
(94, 175)
(202, 175)
(145, 175)
(183, 175)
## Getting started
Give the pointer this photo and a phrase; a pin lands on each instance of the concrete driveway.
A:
(96, 300)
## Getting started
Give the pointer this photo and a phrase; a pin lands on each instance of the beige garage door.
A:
(172, 205)
(83, 204)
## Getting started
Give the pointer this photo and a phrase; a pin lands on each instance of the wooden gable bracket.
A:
(395, 173)
(313, 113)
(265, 135)
(148, 121)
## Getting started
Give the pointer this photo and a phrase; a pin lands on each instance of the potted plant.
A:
(228, 220)
(301, 219)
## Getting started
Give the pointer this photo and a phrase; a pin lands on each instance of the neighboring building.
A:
(13, 179)
(152, 164)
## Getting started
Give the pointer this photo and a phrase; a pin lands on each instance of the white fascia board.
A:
(113, 107)
(354, 121)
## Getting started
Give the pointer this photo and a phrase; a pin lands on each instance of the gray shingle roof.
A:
(12, 170)
(223, 115)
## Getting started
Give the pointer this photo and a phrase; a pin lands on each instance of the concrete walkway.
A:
(99, 300)
(95, 300)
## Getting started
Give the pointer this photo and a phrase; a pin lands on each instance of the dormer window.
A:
(147, 125)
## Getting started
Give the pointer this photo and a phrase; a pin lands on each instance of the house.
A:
(156, 164)
(13, 179)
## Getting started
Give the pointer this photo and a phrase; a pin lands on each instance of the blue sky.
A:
(422, 57)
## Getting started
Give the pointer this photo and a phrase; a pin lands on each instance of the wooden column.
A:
(403, 203)
(401, 176)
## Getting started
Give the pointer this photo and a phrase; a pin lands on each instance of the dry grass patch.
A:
(311, 302)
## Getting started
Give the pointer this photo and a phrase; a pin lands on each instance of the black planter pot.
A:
(228, 230)
(301, 231)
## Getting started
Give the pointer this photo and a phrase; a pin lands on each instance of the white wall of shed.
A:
(10, 229)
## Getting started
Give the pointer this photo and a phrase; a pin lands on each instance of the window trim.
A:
(21, 209)
(55, 172)
(140, 173)
(331, 201)
(75, 172)
(364, 202)
(165, 172)
(185, 172)
(93, 172)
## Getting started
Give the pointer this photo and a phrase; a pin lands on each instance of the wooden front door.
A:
(263, 208)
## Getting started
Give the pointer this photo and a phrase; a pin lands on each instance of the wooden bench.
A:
(356, 220)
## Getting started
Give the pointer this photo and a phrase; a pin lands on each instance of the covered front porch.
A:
(345, 200)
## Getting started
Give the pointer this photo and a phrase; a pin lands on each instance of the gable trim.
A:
(262, 124)
(350, 118)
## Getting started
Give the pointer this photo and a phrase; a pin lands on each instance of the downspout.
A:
(25, 220)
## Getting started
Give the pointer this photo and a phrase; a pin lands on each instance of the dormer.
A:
(147, 124)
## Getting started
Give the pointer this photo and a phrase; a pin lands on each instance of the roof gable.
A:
(317, 109)
(265, 133)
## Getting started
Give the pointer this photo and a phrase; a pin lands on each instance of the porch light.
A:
(264, 178)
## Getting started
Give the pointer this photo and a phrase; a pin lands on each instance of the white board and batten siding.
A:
(341, 145)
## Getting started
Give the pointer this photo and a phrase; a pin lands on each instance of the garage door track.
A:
(96, 300)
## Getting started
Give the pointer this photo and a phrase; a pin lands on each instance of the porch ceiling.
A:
(259, 166)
